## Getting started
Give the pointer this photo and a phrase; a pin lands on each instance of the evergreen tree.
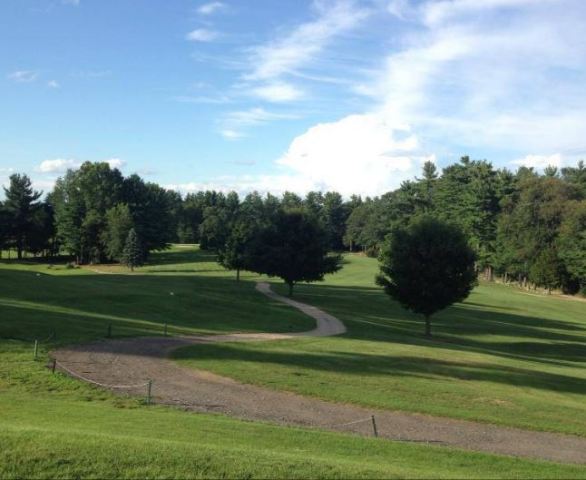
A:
(118, 225)
(293, 247)
(20, 207)
(132, 253)
(547, 270)
(576, 176)
(334, 216)
(572, 242)
(427, 267)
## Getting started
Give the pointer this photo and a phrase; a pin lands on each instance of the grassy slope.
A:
(503, 356)
(53, 426)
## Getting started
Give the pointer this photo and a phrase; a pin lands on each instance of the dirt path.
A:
(135, 361)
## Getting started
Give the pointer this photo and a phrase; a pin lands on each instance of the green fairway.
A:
(55, 426)
(193, 297)
(503, 356)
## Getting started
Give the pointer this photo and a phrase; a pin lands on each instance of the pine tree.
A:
(20, 207)
(132, 254)
(427, 267)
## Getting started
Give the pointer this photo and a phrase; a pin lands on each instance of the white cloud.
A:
(539, 162)
(23, 76)
(61, 165)
(53, 84)
(202, 35)
(231, 134)
(365, 154)
(468, 79)
(211, 8)
(278, 92)
(275, 184)
(115, 162)
(303, 44)
(58, 165)
(234, 122)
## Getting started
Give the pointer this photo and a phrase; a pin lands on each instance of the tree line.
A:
(522, 226)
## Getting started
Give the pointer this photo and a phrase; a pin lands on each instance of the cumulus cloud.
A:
(53, 84)
(202, 35)
(364, 154)
(467, 80)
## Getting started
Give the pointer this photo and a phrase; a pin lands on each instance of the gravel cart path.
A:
(125, 366)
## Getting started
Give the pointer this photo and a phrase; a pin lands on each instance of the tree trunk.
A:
(290, 288)
(237, 274)
(427, 326)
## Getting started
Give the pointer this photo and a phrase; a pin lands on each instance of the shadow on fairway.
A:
(396, 366)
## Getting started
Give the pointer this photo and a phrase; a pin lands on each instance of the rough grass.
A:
(52, 426)
(502, 357)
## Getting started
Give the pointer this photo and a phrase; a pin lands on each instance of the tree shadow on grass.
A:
(31, 306)
(356, 364)
(370, 315)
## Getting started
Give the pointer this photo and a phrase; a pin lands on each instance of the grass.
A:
(502, 357)
(51, 438)
(52, 426)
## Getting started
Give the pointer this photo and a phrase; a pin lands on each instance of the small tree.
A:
(132, 254)
(427, 267)
(294, 247)
(236, 252)
(547, 270)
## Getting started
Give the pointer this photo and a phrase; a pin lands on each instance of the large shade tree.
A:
(427, 267)
(294, 247)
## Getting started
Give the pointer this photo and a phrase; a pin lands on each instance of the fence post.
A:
(54, 366)
(36, 349)
(149, 391)
(374, 426)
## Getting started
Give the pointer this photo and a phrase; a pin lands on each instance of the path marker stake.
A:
(374, 426)
(36, 349)
(149, 391)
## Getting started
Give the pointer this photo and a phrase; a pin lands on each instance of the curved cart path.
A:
(136, 360)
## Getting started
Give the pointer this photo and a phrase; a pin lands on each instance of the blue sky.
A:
(352, 95)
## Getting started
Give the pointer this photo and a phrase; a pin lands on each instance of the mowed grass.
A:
(183, 287)
(53, 426)
(503, 356)
(44, 437)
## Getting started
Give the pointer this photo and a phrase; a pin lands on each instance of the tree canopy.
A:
(427, 267)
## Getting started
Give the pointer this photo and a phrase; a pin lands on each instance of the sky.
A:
(298, 95)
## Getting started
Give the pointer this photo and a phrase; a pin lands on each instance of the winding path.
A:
(136, 360)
